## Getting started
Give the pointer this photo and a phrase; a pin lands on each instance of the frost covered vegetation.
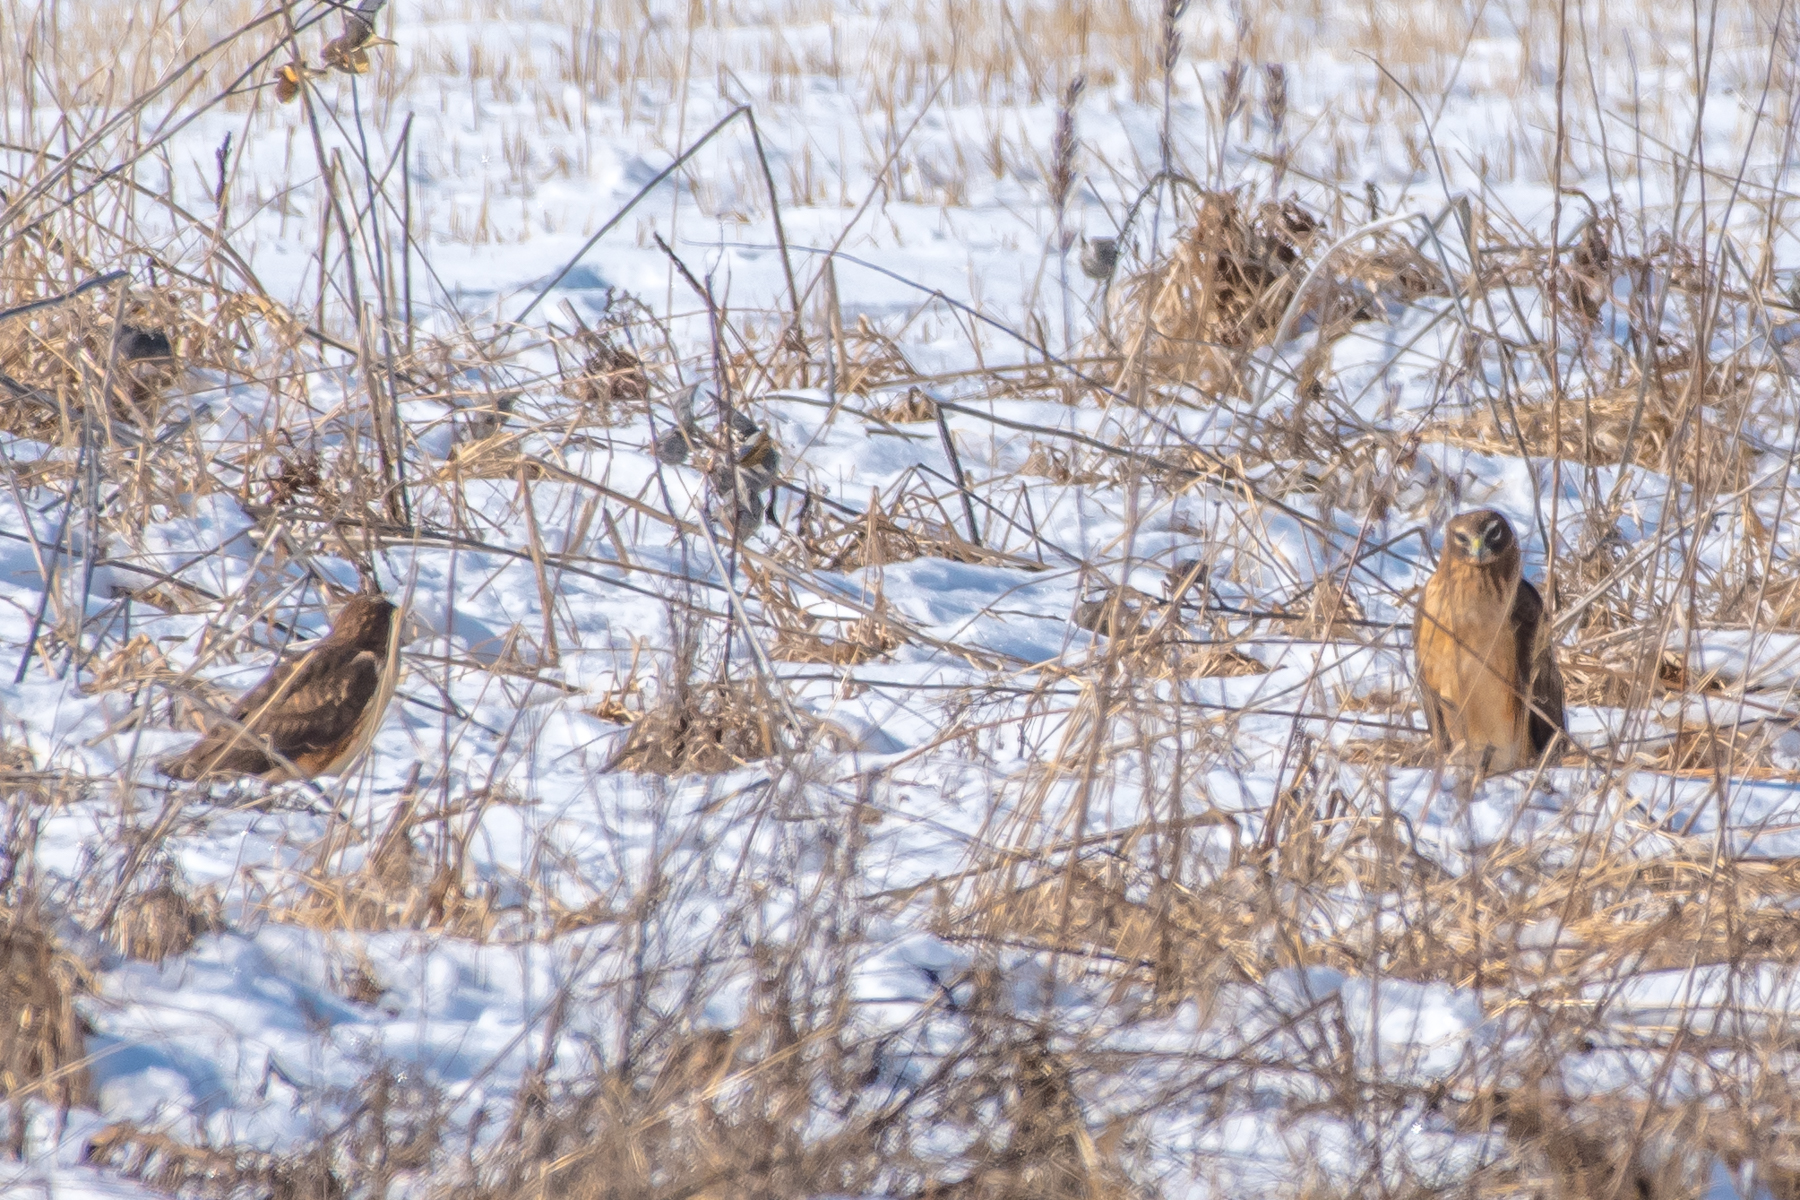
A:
(900, 695)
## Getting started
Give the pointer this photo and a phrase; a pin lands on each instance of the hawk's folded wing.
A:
(303, 706)
(1537, 666)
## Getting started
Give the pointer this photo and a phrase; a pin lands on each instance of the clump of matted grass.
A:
(1326, 610)
(1155, 648)
(720, 1113)
(398, 886)
(1608, 680)
(164, 921)
(1041, 1148)
(706, 1116)
(911, 526)
(1589, 1148)
(1563, 1141)
(53, 362)
(1060, 466)
(1222, 289)
(173, 1166)
(1122, 612)
(1219, 661)
(1772, 602)
(22, 779)
(1653, 425)
(497, 456)
(875, 540)
(909, 407)
(1392, 698)
(1397, 748)
(1747, 751)
(1102, 906)
(863, 640)
(798, 636)
(868, 359)
(42, 1037)
(1150, 636)
(602, 372)
(140, 661)
(707, 728)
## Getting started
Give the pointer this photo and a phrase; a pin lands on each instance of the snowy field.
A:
(1013, 787)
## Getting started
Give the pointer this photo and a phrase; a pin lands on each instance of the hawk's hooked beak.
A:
(1478, 548)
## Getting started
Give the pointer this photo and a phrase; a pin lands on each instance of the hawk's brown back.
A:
(307, 710)
(1537, 663)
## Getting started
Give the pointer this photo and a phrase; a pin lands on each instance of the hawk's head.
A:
(1481, 537)
(364, 621)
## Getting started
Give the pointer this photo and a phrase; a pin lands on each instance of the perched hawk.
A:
(1487, 670)
(311, 714)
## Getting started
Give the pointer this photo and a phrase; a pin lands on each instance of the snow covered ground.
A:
(1209, 890)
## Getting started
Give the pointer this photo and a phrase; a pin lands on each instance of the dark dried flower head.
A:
(1231, 98)
(1062, 147)
(1275, 98)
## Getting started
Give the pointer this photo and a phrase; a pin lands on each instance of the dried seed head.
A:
(1275, 98)
(1231, 98)
(1171, 32)
(1062, 147)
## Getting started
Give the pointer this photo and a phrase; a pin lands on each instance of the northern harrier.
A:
(311, 714)
(1487, 669)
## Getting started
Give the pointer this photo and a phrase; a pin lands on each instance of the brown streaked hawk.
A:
(1487, 668)
(311, 714)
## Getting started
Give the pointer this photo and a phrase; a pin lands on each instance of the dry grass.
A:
(164, 920)
(868, 360)
(864, 640)
(1639, 425)
(1136, 839)
(177, 1168)
(913, 524)
(397, 887)
(603, 376)
(43, 1055)
(707, 728)
(1224, 287)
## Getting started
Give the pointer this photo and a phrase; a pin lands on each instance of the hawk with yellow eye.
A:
(1487, 670)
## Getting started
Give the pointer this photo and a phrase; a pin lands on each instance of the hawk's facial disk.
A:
(1480, 537)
